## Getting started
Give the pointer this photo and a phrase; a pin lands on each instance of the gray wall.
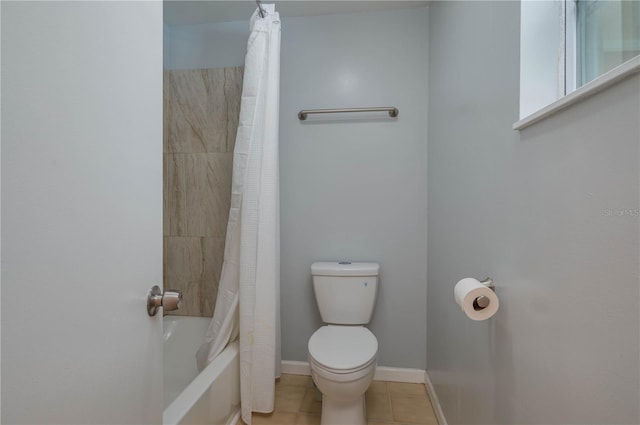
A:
(551, 213)
(218, 45)
(354, 188)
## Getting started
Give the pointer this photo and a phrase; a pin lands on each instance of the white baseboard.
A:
(383, 373)
(434, 400)
(399, 374)
(292, 367)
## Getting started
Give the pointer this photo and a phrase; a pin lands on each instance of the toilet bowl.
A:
(343, 362)
(343, 354)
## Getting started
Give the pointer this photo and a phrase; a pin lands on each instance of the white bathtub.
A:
(211, 397)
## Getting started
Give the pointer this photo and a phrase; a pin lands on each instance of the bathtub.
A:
(211, 397)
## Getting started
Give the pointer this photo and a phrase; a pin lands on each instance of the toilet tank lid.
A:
(344, 268)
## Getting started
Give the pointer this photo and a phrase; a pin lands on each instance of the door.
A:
(81, 212)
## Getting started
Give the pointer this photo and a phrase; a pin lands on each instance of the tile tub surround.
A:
(388, 403)
(201, 108)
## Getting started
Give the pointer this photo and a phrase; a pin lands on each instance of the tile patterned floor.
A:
(388, 403)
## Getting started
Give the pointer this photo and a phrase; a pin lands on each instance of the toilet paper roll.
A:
(467, 292)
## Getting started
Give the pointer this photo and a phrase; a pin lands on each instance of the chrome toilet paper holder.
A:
(482, 302)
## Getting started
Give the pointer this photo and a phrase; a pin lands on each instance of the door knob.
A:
(169, 301)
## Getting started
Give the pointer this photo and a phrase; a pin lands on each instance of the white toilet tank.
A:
(345, 292)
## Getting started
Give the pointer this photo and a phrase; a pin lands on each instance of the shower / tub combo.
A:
(221, 225)
(211, 396)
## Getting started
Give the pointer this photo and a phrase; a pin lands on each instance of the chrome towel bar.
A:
(392, 110)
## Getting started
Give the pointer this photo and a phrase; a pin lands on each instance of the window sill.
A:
(607, 79)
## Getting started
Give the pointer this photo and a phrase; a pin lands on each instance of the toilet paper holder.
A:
(482, 302)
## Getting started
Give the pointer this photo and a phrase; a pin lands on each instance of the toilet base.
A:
(337, 412)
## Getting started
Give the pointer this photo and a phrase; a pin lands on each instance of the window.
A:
(608, 34)
(565, 44)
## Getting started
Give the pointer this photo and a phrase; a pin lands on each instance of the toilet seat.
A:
(343, 349)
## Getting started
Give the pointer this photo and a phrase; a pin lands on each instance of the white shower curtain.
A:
(248, 303)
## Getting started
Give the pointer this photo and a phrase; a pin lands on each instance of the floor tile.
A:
(388, 403)
(310, 403)
(296, 380)
(378, 387)
(307, 420)
(402, 389)
(378, 407)
(288, 398)
(277, 418)
(413, 410)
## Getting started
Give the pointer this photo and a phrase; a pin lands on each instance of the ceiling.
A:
(190, 12)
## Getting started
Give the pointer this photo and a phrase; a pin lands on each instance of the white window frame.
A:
(553, 85)
(570, 34)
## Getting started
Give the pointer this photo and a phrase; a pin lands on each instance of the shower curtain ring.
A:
(261, 10)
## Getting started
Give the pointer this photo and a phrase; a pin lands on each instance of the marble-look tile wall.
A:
(201, 109)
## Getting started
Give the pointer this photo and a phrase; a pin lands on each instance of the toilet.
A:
(343, 353)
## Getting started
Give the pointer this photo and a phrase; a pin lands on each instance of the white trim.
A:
(431, 391)
(607, 79)
(570, 46)
(398, 374)
(383, 373)
(292, 367)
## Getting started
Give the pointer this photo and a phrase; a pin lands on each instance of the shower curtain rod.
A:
(260, 8)
(392, 110)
